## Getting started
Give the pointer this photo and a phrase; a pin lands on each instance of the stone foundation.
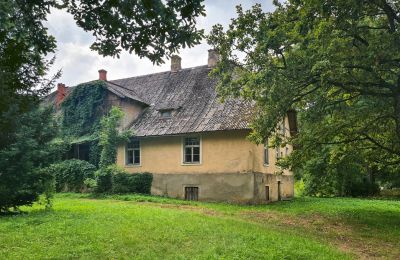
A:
(230, 187)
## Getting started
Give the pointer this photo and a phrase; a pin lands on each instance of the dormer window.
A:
(166, 113)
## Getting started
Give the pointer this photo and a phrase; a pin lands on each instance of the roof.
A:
(120, 91)
(123, 92)
(192, 96)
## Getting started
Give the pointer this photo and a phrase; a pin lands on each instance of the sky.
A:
(80, 64)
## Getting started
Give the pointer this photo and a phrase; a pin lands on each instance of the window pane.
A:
(136, 143)
(192, 141)
(137, 156)
(196, 150)
(196, 158)
(266, 155)
(188, 158)
(129, 157)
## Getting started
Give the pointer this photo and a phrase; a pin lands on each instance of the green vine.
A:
(83, 109)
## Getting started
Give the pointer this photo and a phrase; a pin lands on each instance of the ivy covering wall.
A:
(83, 109)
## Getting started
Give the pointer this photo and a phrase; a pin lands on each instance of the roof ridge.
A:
(161, 72)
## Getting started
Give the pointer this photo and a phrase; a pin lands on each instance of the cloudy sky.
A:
(79, 64)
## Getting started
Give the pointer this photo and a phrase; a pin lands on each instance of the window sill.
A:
(190, 164)
(133, 165)
(266, 164)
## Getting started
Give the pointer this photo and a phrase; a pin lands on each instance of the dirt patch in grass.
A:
(202, 210)
(333, 230)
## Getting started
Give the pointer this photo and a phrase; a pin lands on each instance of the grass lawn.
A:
(146, 227)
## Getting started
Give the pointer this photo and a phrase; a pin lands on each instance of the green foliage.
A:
(21, 179)
(152, 29)
(110, 136)
(24, 48)
(124, 182)
(104, 178)
(70, 175)
(299, 188)
(83, 109)
(331, 172)
(113, 179)
(335, 63)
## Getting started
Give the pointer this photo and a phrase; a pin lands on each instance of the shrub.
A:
(70, 175)
(114, 179)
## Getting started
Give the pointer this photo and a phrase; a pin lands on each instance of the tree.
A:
(21, 178)
(336, 62)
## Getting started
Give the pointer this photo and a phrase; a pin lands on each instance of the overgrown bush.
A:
(70, 175)
(114, 179)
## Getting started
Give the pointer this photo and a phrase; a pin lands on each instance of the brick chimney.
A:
(61, 93)
(213, 58)
(103, 75)
(175, 63)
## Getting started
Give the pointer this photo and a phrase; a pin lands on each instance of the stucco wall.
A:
(221, 152)
(130, 108)
(232, 187)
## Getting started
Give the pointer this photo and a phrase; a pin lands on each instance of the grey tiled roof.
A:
(191, 95)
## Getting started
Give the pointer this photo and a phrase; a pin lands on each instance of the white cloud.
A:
(80, 64)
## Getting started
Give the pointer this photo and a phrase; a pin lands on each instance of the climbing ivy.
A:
(83, 109)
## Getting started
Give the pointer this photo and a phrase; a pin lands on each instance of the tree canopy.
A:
(335, 62)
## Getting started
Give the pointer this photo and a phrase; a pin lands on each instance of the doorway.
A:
(267, 193)
(279, 191)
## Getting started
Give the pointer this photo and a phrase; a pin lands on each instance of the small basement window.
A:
(191, 193)
(166, 113)
(133, 152)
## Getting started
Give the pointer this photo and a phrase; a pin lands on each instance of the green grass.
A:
(148, 227)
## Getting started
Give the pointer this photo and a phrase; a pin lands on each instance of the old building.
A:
(194, 145)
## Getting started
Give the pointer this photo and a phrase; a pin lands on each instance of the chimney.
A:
(103, 75)
(61, 93)
(175, 63)
(213, 58)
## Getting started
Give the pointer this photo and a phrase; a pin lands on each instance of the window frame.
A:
(166, 111)
(278, 153)
(183, 151)
(266, 153)
(133, 149)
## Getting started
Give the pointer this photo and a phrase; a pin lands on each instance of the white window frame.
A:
(183, 151)
(133, 149)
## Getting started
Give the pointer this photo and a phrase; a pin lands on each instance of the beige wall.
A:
(221, 152)
(130, 108)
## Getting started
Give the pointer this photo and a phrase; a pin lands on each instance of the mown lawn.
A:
(145, 227)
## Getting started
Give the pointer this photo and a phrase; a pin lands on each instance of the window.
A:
(191, 150)
(166, 113)
(133, 152)
(266, 154)
(191, 193)
(278, 152)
